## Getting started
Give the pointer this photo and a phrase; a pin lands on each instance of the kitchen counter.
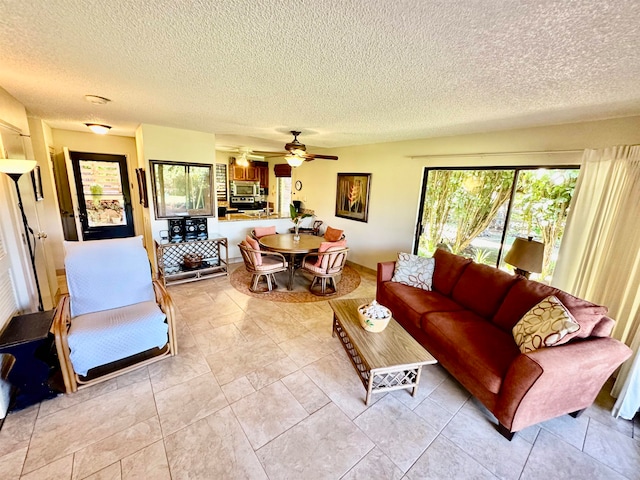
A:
(237, 217)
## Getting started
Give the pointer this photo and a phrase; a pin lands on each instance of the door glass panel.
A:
(540, 208)
(468, 212)
(102, 188)
(465, 212)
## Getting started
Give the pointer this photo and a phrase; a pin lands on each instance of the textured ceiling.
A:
(344, 72)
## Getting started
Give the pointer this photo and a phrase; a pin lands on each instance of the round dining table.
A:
(286, 244)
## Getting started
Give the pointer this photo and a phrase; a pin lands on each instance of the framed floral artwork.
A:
(352, 196)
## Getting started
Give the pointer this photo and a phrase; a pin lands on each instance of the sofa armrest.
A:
(385, 271)
(557, 380)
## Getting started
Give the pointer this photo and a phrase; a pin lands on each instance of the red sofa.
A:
(465, 322)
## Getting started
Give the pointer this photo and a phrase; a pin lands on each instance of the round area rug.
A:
(241, 279)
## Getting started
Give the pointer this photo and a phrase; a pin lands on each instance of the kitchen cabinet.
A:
(255, 172)
(251, 174)
(237, 172)
(263, 173)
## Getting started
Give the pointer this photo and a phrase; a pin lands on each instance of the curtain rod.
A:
(495, 154)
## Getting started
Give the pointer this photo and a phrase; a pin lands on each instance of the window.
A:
(182, 189)
(479, 213)
(283, 195)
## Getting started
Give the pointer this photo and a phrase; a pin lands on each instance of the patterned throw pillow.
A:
(544, 325)
(414, 271)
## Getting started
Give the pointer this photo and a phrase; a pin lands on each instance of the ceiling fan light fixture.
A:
(98, 128)
(241, 160)
(294, 160)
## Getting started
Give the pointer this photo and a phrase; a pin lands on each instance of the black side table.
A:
(27, 338)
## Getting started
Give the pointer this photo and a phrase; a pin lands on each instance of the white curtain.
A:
(600, 255)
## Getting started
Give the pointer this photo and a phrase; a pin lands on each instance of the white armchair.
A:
(115, 317)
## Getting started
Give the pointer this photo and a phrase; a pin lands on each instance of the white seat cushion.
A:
(107, 274)
(106, 336)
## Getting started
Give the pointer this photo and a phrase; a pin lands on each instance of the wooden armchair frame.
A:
(73, 382)
(280, 265)
(325, 275)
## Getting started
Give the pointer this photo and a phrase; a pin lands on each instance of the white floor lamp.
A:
(14, 169)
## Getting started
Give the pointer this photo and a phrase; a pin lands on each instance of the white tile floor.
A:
(261, 390)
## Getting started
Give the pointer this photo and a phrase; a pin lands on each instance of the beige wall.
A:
(13, 115)
(48, 209)
(397, 177)
(109, 144)
(172, 144)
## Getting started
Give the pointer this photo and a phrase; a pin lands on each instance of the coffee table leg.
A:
(369, 389)
(414, 390)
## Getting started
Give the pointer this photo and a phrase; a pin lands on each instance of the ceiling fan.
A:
(243, 155)
(296, 152)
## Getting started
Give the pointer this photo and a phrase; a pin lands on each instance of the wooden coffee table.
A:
(388, 360)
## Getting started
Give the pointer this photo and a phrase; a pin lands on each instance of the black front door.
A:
(104, 200)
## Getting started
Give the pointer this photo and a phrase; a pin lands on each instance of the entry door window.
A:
(103, 196)
(104, 200)
(478, 213)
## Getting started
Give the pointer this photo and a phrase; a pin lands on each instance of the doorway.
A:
(104, 199)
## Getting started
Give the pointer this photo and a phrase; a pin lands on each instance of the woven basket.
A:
(192, 260)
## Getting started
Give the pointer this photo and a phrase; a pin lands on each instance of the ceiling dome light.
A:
(294, 160)
(98, 128)
(96, 99)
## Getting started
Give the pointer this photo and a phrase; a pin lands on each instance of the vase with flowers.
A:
(296, 218)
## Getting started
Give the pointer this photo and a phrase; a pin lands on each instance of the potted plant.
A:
(296, 218)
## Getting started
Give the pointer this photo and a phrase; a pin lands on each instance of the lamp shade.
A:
(15, 168)
(526, 254)
(294, 160)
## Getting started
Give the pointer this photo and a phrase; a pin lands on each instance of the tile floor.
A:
(261, 390)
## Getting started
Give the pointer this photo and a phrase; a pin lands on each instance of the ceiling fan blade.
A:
(313, 156)
(270, 154)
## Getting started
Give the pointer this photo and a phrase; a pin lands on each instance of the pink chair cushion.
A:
(271, 263)
(324, 247)
(332, 234)
(262, 231)
(253, 243)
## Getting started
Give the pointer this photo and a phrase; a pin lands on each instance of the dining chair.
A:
(259, 232)
(115, 318)
(325, 266)
(262, 264)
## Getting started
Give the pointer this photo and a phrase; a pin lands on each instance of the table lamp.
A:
(14, 169)
(525, 256)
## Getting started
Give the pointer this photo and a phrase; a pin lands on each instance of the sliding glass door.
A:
(478, 213)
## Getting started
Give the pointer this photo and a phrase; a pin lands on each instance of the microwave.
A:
(245, 189)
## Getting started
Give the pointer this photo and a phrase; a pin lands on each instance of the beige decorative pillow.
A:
(414, 271)
(544, 325)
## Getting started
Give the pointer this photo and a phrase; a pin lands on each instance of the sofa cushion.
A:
(448, 269)
(545, 325)
(480, 349)
(527, 293)
(414, 271)
(408, 304)
(482, 288)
